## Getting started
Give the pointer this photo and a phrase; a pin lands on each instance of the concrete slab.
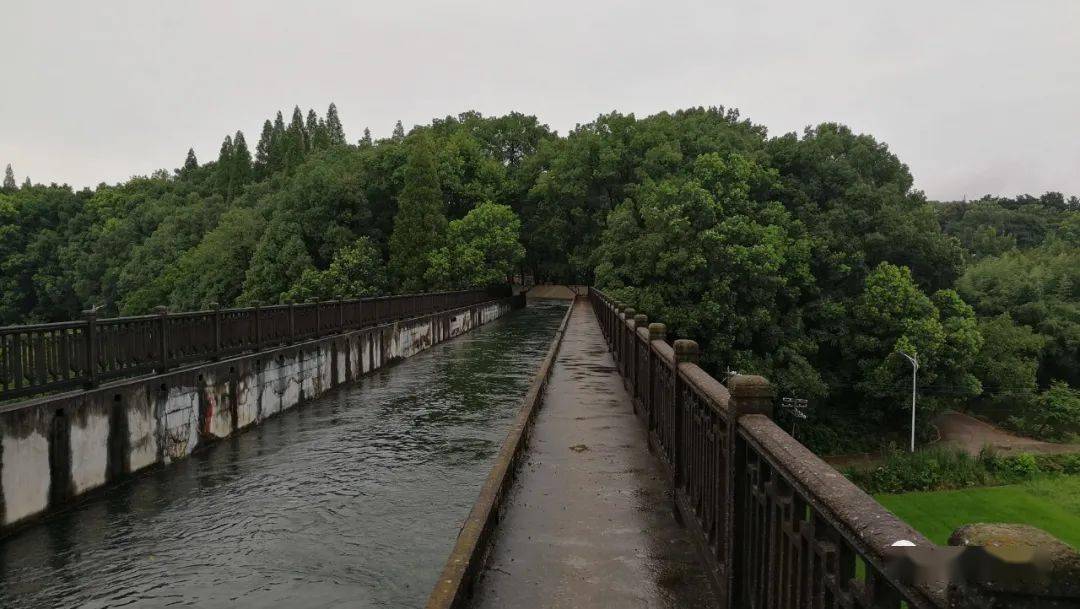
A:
(590, 522)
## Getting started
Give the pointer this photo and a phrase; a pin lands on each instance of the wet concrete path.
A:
(589, 522)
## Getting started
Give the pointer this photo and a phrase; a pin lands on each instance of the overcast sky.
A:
(976, 96)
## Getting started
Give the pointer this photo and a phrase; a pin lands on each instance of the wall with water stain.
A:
(57, 448)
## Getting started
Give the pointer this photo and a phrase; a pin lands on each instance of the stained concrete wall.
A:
(56, 448)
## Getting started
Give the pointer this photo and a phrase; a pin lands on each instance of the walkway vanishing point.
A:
(628, 477)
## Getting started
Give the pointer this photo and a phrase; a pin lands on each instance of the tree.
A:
(190, 163)
(264, 150)
(357, 270)
(894, 316)
(1008, 362)
(9, 179)
(241, 161)
(1038, 288)
(26, 183)
(366, 140)
(279, 145)
(296, 138)
(483, 248)
(716, 264)
(420, 223)
(335, 131)
(399, 132)
(1053, 415)
(224, 169)
(278, 262)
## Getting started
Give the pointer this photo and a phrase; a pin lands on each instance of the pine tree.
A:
(312, 128)
(241, 161)
(366, 140)
(279, 144)
(316, 127)
(399, 132)
(190, 163)
(9, 179)
(420, 223)
(335, 131)
(224, 170)
(263, 150)
(26, 183)
(295, 140)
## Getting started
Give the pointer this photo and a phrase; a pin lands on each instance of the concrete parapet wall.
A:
(56, 448)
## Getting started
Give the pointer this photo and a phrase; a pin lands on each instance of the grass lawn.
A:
(1051, 504)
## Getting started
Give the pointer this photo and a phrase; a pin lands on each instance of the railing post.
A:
(163, 340)
(750, 394)
(686, 352)
(658, 332)
(640, 321)
(340, 313)
(91, 349)
(257, 313)
(292, 323)
(616, 331)
(217, 331)
(628, 342)
(318, 318)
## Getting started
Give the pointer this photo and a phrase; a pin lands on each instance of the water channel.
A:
(353, 500)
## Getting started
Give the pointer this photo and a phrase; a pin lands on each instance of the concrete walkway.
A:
(589, 522)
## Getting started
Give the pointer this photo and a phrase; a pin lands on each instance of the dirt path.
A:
(962, 431)
(966, 432)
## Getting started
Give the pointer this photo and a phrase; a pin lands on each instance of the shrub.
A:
(931, 469)
(944, 468)
(1016, 469)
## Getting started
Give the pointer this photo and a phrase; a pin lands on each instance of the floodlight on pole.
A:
(914, 359)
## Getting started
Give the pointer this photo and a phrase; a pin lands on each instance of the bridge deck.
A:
(589, 522)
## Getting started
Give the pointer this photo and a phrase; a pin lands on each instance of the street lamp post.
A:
(914, 359)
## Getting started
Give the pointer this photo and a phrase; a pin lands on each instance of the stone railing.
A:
(778, 527)
(40, 358)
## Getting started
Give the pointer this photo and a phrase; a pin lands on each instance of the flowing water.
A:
(353, 500)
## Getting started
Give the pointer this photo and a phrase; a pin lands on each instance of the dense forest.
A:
(807, 258)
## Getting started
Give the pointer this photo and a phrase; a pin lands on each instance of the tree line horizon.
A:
(809, 258)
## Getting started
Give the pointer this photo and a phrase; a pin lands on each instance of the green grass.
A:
(1051, 504)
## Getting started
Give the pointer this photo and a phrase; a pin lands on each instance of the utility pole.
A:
(914, 359)
(797, 408)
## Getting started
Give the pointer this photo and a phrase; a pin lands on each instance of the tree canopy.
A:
(806, 257)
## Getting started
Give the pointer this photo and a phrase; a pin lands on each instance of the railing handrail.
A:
(866, 529)
(41, 358)
(52, 325)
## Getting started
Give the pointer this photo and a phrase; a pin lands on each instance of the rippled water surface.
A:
(353, 500)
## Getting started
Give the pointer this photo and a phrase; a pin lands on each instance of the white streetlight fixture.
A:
(914, 359)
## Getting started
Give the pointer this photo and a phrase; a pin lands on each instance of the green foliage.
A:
(482, 249)
(191, 164)
(279, 261)
(1008, 361)
(925, 470)
(947, 468)
(712, 262)
(1051, 415)
(9, 180)
(1038, 288)
(335, 131)
(356, 270)
(808, 258)
(420, 223)
(893, 316)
